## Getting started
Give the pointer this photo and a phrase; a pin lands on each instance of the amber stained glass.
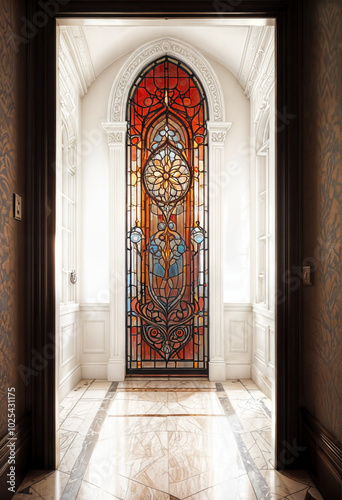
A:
(167, 221)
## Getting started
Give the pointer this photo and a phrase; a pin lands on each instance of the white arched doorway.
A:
(116, 128)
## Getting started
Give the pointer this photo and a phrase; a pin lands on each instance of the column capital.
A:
(116, 133)
(218, 132)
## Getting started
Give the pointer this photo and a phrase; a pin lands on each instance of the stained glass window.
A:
(167, 222)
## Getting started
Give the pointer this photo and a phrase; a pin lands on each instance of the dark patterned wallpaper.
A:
(322, 149)
(12, 233)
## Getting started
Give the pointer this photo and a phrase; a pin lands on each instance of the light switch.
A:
(17, 206)
(307, 275)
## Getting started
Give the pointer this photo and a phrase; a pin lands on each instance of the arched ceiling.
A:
(95, 44)
(107, 44)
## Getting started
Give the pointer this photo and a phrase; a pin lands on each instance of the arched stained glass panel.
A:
(167, 222)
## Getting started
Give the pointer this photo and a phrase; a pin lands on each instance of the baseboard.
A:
(94, 371)
(238, 371)
(264, 383)
(116, 370)
(323, 456)
(69, 381)
(22, 440)
(217, 371)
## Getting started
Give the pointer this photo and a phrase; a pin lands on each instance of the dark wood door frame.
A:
(40, 33)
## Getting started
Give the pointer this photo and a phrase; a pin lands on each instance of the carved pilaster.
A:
(116, 134)
(217, 138)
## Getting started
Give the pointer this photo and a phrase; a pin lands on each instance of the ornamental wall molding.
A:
(262, 129)
(67, 84)
(72, 143)
(148, 53)
(258, 57)
(254, 73)
(252, 45)
(74, 48)
(115, 137)
(218, 136)
(116, 133)
(261, 100)
(218, 132)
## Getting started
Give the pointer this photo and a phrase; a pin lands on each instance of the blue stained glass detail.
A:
(174, 270)
(136, 235)
(158, 270)
(198, 234)
(155, 250)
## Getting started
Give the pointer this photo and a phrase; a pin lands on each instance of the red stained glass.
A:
(167, 221)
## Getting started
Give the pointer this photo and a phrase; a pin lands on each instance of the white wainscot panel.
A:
(238, 340)
(263, 350)
(238, 336)
(69, 364)
(260, 341)
(94, 336)
(68, 342)
(95, 340)
(271, 347)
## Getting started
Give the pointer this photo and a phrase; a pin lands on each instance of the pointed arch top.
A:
(146, 54)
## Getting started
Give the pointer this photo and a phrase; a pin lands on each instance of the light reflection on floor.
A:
(165, 439)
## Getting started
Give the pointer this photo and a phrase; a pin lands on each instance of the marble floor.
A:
(166, 439)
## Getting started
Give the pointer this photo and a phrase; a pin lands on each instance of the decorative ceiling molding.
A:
(251, 47)
(149, 52)
(262, 137)
(261, 96)
(258, 53)
(76, 46)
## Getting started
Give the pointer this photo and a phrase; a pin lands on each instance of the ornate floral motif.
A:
(167, 176)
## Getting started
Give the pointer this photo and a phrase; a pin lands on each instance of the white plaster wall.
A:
(236, 195)
(233, 180)
(94, 275)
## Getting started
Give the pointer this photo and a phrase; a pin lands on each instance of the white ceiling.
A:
(225, 44)
(238, 44)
